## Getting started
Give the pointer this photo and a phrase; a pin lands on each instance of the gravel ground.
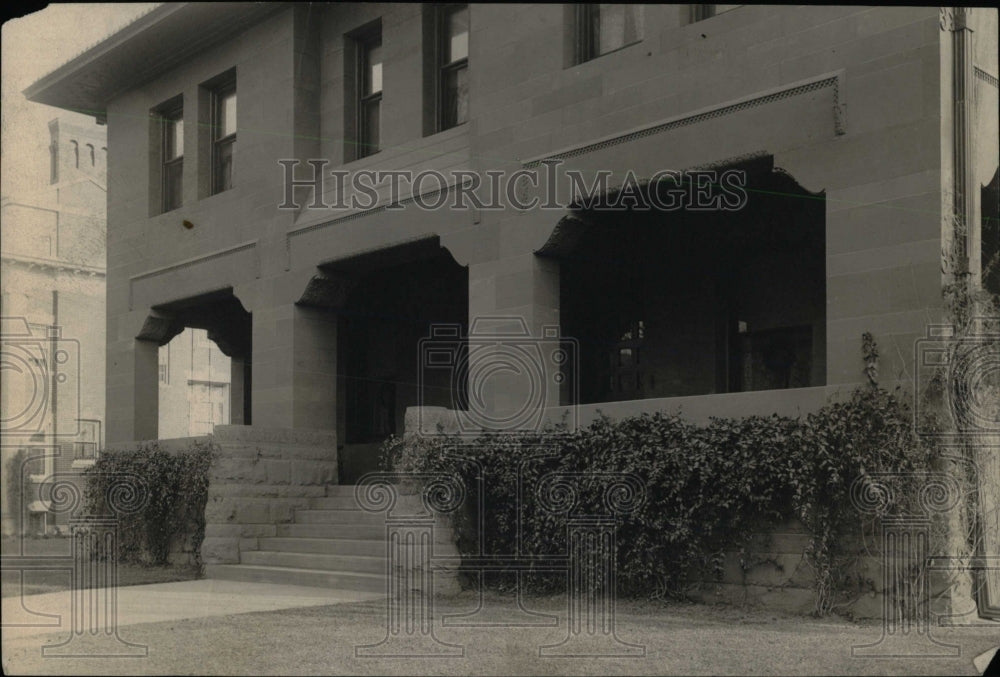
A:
(678, 639)
(12, 582)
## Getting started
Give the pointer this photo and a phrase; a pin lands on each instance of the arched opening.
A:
(204, 363)
(696, 301)
(195, 383)
(385, 302)
(76, 154)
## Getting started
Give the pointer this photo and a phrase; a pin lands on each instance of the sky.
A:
(33, 46)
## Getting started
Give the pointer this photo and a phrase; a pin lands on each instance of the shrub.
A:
(709, 488)
(176, 490)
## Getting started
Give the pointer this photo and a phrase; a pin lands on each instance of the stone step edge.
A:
(324, 572)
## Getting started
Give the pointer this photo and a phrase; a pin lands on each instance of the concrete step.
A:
(334, 503)
(410, 503)
(326, 546)
(370, 532)
(313, 516)
(348, 490)
(320, 562)
(344, 580)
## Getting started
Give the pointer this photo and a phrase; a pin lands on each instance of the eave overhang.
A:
(156, 42)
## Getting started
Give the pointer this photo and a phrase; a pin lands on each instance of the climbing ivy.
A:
(709, 488)
(173, 490)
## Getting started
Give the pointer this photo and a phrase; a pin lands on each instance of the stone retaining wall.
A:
(260, 476)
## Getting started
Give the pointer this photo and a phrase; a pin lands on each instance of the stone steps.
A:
(326, 546)
(352, 531)
(342, 580)
(331, 543)
(323, 562)
(339, 516)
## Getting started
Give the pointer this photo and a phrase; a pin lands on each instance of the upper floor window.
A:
(223, 134)
(603, 28)
(699, 12)
(369, 91)
(90, 150)
(453, 65)
(76, 154)
(172, 153)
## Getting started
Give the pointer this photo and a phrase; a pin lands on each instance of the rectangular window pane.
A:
(226, 123)
(456, 97)
(457, 41)
(607, 27)
(618, 25)
(224, 165)
(370, 125)
(173, 138)
(172, 180)
(373, 68)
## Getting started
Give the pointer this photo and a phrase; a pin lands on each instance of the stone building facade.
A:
(53, 288)
(54, 249)
(854, 128)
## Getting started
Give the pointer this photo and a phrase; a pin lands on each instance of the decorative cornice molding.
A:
(205, 258)
(802, 87)
(54, 264)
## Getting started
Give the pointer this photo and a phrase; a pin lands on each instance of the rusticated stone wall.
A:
(260, 476)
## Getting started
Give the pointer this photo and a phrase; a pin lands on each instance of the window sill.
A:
(82, 463)
(453, 131)
(600, 56)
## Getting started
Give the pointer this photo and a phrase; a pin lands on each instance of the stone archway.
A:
(228, 325)
(384, 301)
(690, 301)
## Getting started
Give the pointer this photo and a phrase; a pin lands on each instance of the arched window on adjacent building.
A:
(90, 147)
(76, 154)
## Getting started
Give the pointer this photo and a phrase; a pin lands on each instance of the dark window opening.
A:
(604, 28)
(453, 66)
(223, 135)
(701, 12)
(685, 302)
(172, 149)
(369, 92)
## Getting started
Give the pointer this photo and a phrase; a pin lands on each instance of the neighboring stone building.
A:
(52, 393)
(53, 264)
(854, 127)
(194, 386)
